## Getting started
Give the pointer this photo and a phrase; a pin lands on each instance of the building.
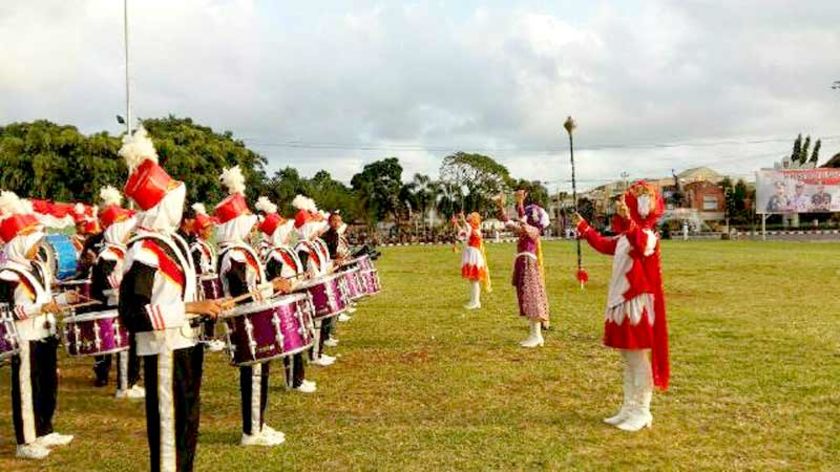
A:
(707, 199)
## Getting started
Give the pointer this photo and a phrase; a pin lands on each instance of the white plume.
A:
(10, 203)
(110, 195)
(137, 148)
(304, 203)
(265, 205)
(79, 209)
(199, 209)
(233, 179)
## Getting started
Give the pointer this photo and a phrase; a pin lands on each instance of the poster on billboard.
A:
(797, 191)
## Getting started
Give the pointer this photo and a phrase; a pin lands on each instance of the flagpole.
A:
(570, 126)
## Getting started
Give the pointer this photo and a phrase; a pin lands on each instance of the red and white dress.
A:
(473, 266)
(635, 312)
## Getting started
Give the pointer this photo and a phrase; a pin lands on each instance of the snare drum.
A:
(261, 331)
(362, 262)
(211, 287)
(329, 294)
(8, 335)
(355, 285)
(371, 280)
(94, 334)
(60, 256)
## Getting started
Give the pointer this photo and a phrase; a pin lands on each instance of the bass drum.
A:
(58, 252)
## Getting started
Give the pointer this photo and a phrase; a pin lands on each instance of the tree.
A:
(45, 160)
(378, 186)
(479, 175)
(803, 153)
(196, 154)
(537, 193)
(815, 156)
(797, 148)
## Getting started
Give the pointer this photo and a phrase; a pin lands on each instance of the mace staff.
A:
(570, 125)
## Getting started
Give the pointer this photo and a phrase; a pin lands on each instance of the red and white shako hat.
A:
(16, 217)
(271, 220)
(645, 204)
(307, 218)
(202, 219)
(234, 205)
(112, 210)
(147, 182)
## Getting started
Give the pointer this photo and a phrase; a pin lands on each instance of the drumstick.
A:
(79, 305)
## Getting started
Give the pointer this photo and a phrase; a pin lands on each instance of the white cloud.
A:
(381, 79)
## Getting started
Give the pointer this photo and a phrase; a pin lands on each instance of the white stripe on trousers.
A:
(166, 411)
(27, 407)
(256, 397)
(122, 370)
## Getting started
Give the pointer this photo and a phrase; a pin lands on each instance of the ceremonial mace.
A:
(570, 125)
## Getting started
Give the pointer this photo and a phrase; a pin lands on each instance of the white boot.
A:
(639, 414)
(624, 411)
(31, 451)
(475, 296)
(54, 439)
(535, 339)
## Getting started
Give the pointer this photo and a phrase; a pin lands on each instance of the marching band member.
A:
(241, 273)
(25, 287)
(106, 275)
(205, 260)
(338, 250)
(528, 275)
(635, 321)
(88, 239)
(156, 295)
(282, 261)
(473, 258)
(309, 226)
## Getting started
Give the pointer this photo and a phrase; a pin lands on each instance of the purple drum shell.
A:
(329, 295)
(355, 288)
(94, 334)
(252, 329)
(372, 283)
(8, 339)
(211, 287)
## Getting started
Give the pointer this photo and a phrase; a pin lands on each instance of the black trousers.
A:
(295, 370)
(173, 387)
(128, 367)
(34, 389)
(253, 389)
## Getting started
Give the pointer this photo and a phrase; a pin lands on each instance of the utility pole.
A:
(127, 70)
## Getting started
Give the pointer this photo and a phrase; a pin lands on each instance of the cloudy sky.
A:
(654, 85)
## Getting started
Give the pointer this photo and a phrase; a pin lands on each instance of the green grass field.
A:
(423, 385)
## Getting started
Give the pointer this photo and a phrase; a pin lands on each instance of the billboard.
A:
(797, 191)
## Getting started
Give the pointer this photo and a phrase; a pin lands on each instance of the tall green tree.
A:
(481, 177)
(378, 185)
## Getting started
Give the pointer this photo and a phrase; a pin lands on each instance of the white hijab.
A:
(17, 249)
(281, 235)
(166, 215)
(236, 230)
(117, 233)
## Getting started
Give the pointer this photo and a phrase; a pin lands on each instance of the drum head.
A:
(317, 281)
(255, 307)
(96, 315)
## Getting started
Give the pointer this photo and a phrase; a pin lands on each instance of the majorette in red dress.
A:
(635, 319)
